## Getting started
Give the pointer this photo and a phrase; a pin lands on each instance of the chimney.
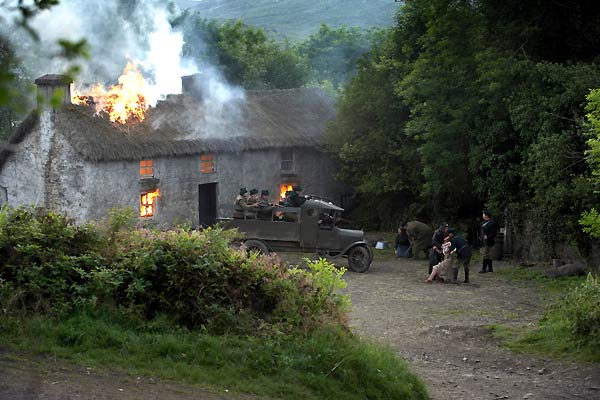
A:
(53, 91)
(194, 86)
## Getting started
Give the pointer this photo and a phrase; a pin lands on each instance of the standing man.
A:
(488, 232)
(419, 235)
(463, 251)
(436, 254)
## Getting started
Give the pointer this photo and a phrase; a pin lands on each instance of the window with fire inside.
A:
(148, 203)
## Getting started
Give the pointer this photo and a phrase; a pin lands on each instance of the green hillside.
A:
(297, 19)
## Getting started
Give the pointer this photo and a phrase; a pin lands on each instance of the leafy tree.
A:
(244, 54)
(591, 219)
(333, 54)
(478, 118)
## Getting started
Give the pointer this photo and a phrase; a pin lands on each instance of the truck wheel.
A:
(256, 245)
(359, 259)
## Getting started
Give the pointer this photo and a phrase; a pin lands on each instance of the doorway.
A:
(207, 204)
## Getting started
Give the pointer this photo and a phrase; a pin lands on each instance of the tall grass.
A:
(570, 327)
(324, 364)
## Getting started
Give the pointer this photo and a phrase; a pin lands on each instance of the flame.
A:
(147, 203)
(124, 102)
(285, 187)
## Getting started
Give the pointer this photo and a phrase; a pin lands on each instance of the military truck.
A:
(309, 228)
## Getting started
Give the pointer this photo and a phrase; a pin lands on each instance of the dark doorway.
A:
(207, 204)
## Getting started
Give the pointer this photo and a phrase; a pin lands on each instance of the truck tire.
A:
(256, 245)
(359, 259)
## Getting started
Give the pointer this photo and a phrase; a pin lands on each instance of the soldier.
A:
(488, 232)
(419, 235)
(242, 209)
(295, 199)
(264, 206)
(436, 255)
(463, 255)
(253, 199)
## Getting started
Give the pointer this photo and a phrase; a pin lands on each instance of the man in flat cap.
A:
(242, 209)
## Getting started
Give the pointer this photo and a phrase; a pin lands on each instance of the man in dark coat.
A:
(436, 255)
(488, 233)
(463, 254)
(295, 199)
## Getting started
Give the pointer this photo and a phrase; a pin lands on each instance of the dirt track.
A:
(441, 330)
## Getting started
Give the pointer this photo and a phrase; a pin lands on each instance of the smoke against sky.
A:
(117, 31)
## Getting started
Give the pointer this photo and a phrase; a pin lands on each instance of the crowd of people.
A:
(448, 251)
(249, 205)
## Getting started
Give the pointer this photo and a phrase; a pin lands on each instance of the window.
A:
(283, 188)
(146, 168)
(148, 204)
(207, 163)
(287, 160)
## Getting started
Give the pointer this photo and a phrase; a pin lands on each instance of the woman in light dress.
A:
(444, 268)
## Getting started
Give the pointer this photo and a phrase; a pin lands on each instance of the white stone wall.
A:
(47, 171)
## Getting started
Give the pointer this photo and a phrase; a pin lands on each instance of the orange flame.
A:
(284, 187)
(124, 102)
(147, 203)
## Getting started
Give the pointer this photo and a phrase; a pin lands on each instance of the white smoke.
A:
(117, 31)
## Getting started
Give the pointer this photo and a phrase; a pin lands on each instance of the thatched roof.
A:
(181, 125)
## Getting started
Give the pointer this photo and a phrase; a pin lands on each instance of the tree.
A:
(244, 54)
(591, 219)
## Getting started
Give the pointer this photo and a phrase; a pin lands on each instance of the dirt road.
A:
(441, 330)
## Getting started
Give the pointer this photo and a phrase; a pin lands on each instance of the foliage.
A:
(569, 329)
(332, 54)
(448, 113)
(323, 364)
(591, 219)
(580, 309)
(245, 55)
(197, 278)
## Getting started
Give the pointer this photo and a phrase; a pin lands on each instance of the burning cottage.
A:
(182, 162)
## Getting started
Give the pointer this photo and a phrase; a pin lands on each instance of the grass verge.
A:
(322, 365)
(570, 328)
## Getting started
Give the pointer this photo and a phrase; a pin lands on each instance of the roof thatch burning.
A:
(178, 126)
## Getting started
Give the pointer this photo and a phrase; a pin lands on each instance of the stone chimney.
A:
(194, 86)
(53, 91)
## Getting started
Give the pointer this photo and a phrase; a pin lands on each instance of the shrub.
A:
(580, 309)
(194, 277)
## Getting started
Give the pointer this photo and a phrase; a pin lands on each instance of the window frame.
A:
(285, 161)
(208, 163)
(147, 168)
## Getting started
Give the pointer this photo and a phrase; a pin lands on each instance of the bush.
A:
(580, 309)
(194, 277)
